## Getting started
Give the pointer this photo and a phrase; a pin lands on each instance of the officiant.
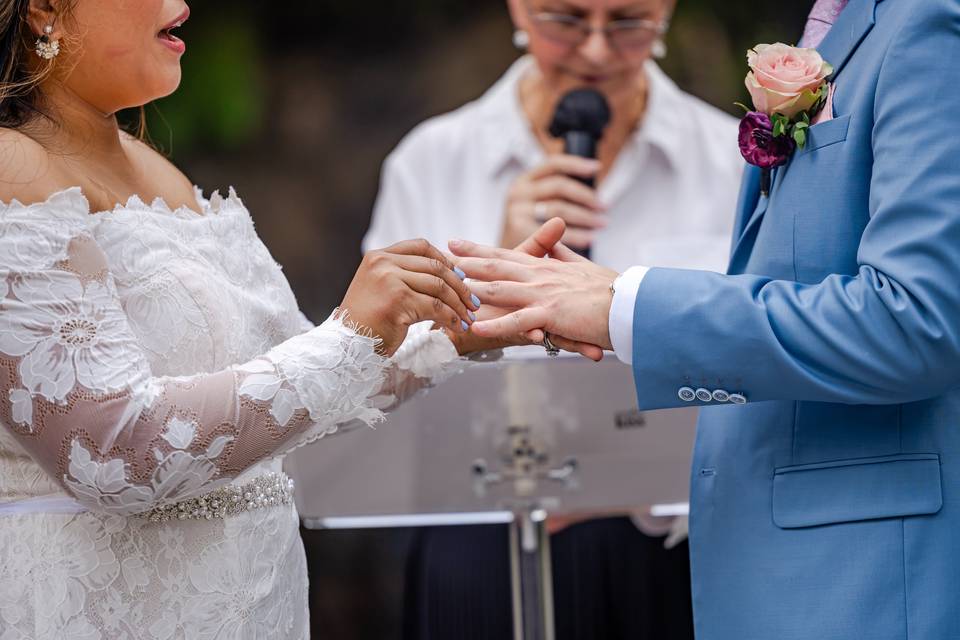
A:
(666, 181)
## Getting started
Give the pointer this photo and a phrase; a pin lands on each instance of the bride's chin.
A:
(167, 86)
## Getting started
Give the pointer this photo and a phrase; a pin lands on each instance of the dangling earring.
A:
(659, 49)
(521, 39)
(46, 48)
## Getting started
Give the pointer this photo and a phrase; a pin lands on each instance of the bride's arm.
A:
(77, 391)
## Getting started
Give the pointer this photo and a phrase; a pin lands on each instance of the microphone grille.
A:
(581, 110)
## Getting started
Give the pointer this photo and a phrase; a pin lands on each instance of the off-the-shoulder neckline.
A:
(74, 196)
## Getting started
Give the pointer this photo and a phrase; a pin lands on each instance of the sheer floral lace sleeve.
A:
(77, 392)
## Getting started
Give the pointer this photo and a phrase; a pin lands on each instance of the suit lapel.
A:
(851, 27)
(747, 200)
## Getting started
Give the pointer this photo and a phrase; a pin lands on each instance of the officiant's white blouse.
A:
(671, 192)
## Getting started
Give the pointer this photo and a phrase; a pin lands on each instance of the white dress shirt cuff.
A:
(621, 312)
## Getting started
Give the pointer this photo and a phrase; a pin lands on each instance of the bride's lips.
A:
(168, 39)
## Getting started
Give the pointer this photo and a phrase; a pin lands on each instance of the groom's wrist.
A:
(626, 287)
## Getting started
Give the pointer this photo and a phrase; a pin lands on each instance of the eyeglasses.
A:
(624, 35)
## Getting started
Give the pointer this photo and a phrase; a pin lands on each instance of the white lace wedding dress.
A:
(154, 366)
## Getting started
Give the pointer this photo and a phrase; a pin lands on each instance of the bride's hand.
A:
(407, 283)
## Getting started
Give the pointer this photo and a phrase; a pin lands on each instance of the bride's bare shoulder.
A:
(27, 172)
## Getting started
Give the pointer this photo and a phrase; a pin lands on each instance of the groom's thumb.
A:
(543, 239)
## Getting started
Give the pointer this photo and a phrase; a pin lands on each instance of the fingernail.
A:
(475, 300)
(464, 325)
(460, 273)
(473, 316)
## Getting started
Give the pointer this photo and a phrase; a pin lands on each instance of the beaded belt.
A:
(267, 490)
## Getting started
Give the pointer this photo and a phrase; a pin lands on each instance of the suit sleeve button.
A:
(737, 398)
(721, 396)
(687, 394)
(704, 395)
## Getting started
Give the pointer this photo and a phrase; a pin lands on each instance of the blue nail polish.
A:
(475, 300)
(473, 316)
(463, 323)
(460, 273)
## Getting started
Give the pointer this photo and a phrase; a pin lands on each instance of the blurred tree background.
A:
(296, 104)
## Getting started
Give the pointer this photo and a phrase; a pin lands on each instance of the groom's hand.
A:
(545, 241)
(568, 296)
(542, 242)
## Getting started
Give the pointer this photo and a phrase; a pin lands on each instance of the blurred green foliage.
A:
(220, 102)
(223, 99)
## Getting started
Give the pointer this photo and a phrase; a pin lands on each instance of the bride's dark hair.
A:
(20, 75)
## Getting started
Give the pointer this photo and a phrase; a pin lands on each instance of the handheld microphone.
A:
(580, 119)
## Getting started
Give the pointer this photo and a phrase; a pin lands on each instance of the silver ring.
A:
(540, 213)
(552, 350)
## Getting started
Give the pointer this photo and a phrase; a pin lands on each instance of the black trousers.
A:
(610, 582)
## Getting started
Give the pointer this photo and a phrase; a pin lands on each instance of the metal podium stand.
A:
(505, 442)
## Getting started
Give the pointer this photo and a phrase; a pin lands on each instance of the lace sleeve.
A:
(77, 392)
(426, 358)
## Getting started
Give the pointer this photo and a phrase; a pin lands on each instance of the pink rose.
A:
(785, 79)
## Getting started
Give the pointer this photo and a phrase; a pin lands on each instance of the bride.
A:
(154, 365)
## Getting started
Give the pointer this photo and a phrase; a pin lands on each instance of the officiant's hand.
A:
(569, 296)
(406, 283)
(552, 190)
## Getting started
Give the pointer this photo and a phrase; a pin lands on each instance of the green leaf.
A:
(800, 137)
(800, 126)
(781, 125)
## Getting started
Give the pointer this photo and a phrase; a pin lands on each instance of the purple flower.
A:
(758, 145)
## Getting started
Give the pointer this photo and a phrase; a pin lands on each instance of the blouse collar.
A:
(508, 136)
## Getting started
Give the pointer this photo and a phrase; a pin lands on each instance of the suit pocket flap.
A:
(851, 490)
(827, 133)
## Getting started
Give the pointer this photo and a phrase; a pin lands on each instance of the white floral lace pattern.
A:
(148, 356)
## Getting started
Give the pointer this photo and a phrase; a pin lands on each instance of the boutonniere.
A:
(788, 86)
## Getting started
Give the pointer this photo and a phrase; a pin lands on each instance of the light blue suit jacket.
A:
(828, 506)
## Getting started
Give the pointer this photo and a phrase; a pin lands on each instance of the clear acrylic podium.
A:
(511, 441)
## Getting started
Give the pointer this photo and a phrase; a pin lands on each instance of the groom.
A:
(825, 492)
